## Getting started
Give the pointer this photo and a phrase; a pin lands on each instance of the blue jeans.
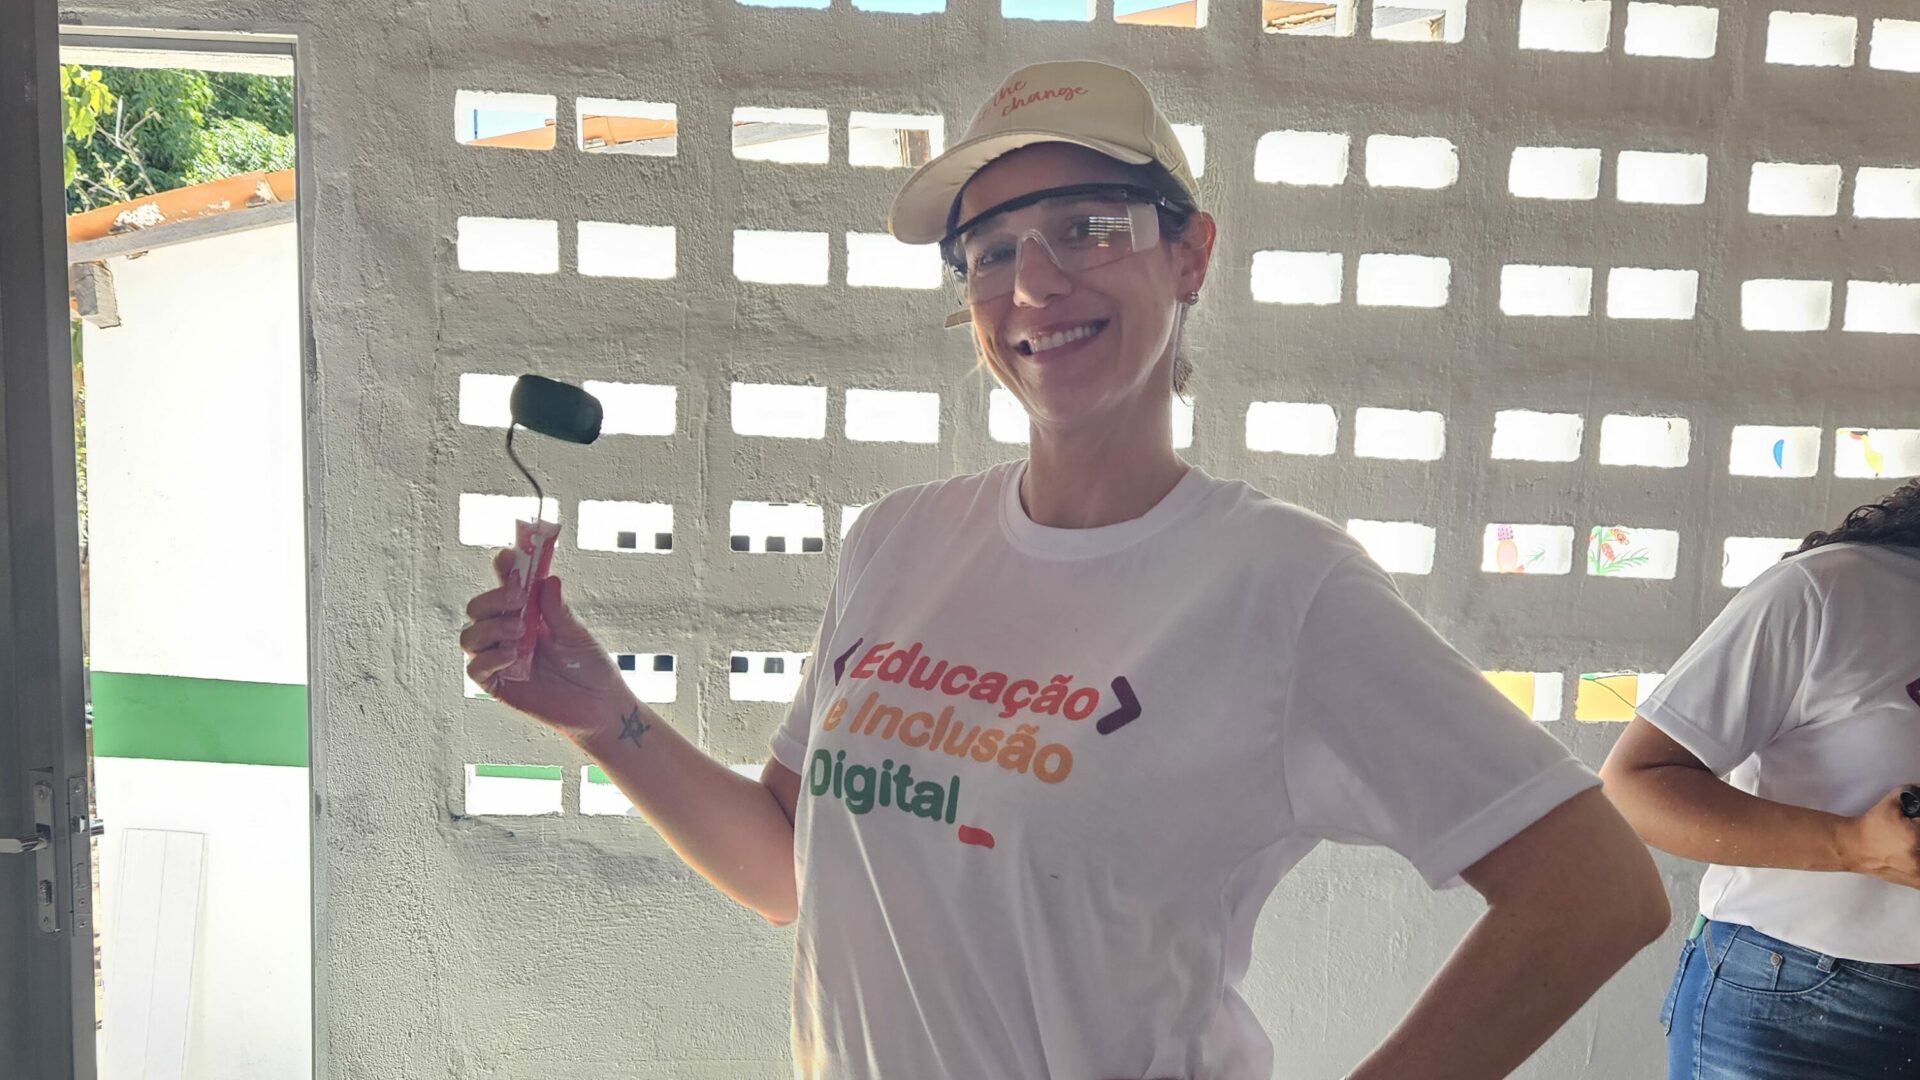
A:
(1745, 1006)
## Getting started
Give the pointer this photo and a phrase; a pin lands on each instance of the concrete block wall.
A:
(460, 944)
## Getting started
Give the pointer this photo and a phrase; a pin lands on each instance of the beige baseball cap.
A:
(1083, 102)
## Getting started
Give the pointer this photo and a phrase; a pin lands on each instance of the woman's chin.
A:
(1059, 408)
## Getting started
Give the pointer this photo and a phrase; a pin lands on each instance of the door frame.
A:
(46, 896)
(47, 1020)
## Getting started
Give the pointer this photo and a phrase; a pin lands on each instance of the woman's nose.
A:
(1037, 275)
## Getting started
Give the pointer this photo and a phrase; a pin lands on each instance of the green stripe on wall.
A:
(181, 719)
(519, 772)
(595, 775)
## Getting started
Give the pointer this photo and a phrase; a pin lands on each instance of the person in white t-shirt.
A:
(1069, 720)
(1782, 749)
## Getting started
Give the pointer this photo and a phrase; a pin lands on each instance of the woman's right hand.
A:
(573, 686)
(1884, 842)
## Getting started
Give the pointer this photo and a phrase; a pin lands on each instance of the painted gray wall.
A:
(578, 947)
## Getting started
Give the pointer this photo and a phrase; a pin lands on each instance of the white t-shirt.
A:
(1049, 776)
(1806, 691)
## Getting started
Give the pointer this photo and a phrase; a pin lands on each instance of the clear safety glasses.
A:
(1076, 229)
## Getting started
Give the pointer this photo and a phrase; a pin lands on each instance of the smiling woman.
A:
(1051, 239)
(1064, 270)
(1173, 688)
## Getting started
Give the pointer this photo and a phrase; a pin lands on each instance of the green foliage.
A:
(85, 99)
(160, 129)
(233, 144)
(262, 99)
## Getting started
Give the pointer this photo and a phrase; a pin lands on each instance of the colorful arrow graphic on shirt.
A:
(840, 662)
(1127, 713)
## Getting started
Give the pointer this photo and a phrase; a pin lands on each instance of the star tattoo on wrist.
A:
(632, 727)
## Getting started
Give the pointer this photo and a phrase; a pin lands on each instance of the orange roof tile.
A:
(182, 204)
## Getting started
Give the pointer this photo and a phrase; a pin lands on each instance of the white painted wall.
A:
(194, 463)
(252, 1002)
(197, 569)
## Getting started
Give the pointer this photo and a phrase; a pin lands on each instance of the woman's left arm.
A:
(1518, 974)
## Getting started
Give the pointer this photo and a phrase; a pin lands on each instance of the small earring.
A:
(1191, 298)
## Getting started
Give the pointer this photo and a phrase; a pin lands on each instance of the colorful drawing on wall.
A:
(1516, 686)
(1525, 690)
(1506, 553)
(1526, 549)
(1607, 697)
(1611, 550)
(1874, 452)
(1773, 451)
(1507, 556)
(1876, 461)
(1536, 693)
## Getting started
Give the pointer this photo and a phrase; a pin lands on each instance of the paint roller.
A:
(555, 409)
(559, 411)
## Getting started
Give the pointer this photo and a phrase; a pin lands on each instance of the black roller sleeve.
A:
(555, 409)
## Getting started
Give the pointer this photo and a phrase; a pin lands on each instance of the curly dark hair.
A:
(1894, 521)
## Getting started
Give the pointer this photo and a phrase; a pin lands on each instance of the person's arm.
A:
(1739, 687)
(1519, 973)
(737, 832)
(1395, 738)
(1678, 805)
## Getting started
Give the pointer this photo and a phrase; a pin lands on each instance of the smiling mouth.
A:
(1044, 343)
